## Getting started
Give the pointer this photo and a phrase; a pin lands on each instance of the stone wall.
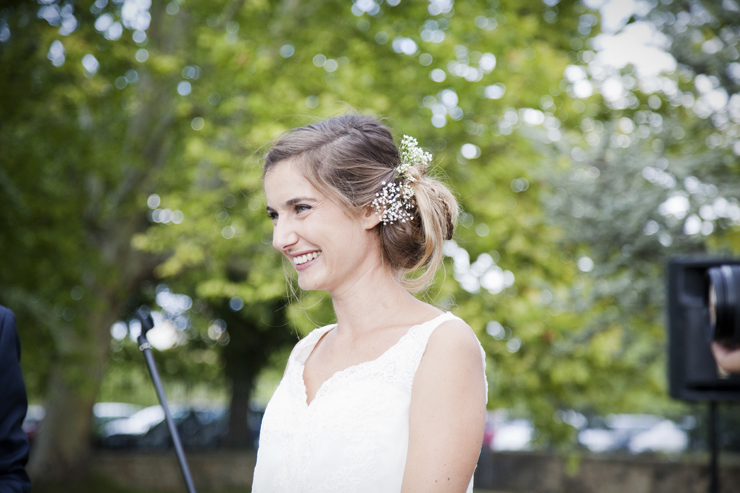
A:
(532, 472)
(512, 472)
(211, 471)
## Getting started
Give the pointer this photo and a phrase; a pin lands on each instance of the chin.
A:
(308, 285)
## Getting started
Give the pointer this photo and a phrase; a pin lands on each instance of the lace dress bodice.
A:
(353, 437)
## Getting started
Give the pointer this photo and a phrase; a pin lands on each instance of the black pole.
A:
(714, 449)
(146, 324)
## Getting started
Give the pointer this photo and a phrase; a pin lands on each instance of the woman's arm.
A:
(448, 412)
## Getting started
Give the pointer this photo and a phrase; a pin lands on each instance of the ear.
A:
(369, 218)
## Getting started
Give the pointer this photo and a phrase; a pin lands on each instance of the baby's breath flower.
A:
(394, 201)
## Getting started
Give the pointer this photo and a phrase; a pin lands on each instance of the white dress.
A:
(353, 437)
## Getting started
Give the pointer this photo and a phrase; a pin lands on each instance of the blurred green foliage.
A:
(131, 140)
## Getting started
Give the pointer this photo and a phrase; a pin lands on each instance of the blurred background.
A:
(588, 141)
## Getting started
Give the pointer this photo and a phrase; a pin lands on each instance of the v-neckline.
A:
(334, 375)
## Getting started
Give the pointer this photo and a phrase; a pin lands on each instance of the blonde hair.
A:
(347, 159)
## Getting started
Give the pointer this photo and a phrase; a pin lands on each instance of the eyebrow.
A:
(293, 202)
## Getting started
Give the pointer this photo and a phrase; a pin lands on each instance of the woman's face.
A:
(328, 248)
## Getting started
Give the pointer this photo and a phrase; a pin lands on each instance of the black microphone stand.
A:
(146, 324)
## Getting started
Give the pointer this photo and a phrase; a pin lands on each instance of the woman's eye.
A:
(272, 215)
(302, 208)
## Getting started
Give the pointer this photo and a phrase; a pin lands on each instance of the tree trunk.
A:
(64, 445)
(62, 451)
(240, 436)
(255, 332)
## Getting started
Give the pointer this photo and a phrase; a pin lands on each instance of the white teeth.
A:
(302, 259)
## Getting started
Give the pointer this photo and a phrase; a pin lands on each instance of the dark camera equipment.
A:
(724, 304)
(145, 317)
(703, 306)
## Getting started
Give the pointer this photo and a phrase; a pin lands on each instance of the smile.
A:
(302, 259)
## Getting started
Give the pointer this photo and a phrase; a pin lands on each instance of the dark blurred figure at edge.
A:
(13, 405)
(728, 358)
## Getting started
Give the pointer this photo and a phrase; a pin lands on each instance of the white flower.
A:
(394, 201)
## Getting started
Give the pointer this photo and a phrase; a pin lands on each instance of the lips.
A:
(302, 259)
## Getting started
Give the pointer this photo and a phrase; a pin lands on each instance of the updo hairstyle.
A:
(347, 159)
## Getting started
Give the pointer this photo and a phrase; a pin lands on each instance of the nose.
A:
(284, 235)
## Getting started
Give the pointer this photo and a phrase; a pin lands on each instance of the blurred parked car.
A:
(665, 436)
(105, 412)
(126, 433)
(504, 433)
(118, 425)
(108, 411)
(199, 428)
(634, 433)
(515, 434)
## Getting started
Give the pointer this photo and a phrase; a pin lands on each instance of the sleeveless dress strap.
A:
(428, 328)
(417, 340)
(303, 348)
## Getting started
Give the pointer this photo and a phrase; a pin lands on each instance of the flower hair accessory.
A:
(394, 201)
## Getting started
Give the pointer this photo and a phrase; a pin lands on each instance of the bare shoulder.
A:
(453, 362)
(454, 339)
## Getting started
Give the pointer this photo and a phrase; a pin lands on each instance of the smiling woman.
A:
(392, 397)
(348, 160)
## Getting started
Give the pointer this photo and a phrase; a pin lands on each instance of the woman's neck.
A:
(376, 300)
